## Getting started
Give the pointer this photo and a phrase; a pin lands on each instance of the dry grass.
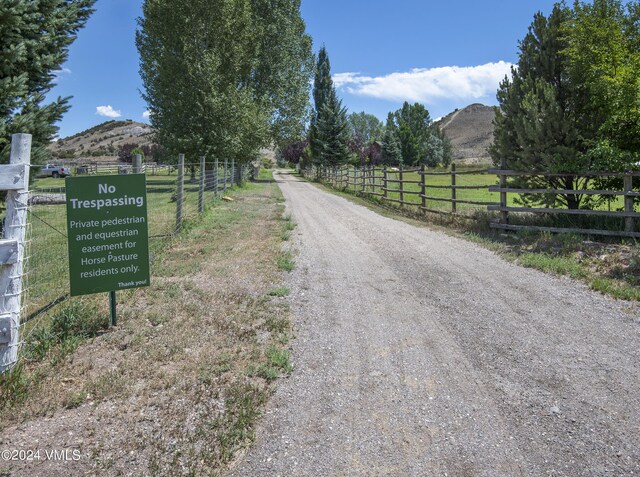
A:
(176, 389)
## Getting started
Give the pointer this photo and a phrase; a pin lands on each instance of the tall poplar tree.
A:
(224, 77)
(603, 57)
(35, 38)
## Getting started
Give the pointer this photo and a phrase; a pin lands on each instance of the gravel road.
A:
(418, 354)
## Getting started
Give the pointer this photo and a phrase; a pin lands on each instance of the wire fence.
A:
(175, 194)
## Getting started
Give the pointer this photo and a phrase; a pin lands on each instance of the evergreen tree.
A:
(333, 133)
(36, 35)
(414, 130)
(329, 129)
(536, 126)
(438, 150)
(391, 152)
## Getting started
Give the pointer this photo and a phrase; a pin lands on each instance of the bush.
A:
(266, 163)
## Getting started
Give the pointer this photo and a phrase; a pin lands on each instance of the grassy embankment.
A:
(201, 346)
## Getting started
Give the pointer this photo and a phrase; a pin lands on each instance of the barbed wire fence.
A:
(175, 194)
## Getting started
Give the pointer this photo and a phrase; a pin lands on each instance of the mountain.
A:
(470, 131)
(101, 142)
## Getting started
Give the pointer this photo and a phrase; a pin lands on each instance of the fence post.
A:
(201, 189)
(372, 178)
(180, 193)
(216, 178)
(15, 226)
(137, 163)
(224, 172)
(384, 182)
(629, 225)
(453, 188)
(504, 215)
(233, 172)
(423, 187)
(401, 178)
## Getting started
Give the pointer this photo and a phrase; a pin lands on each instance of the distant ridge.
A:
(470, 131)
(101, 142)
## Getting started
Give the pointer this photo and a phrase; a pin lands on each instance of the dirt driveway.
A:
(418, 354)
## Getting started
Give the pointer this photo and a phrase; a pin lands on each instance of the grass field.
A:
(47, 263)
(202, 345)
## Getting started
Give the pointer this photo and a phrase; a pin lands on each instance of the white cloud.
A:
(59, 74)
(108, 112)
(427, 84)
(146, 114)
(62, 71)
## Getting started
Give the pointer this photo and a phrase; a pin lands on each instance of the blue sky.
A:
(444, 54)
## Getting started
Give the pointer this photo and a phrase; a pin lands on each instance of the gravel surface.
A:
(418, 354)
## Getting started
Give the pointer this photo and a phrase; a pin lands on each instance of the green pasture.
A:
(438, 186)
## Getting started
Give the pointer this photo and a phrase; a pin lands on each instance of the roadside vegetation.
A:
(567, 117)
(197, 352)
(608, 265)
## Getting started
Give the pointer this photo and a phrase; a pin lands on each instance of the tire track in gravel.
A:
(418, 354)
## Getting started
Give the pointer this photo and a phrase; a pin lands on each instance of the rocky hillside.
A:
(470, 131)
(102, 141)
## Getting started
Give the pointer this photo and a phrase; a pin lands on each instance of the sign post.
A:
(108, 235)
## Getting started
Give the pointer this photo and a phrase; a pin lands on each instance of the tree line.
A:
(334, 138)
(225, 78)
(572, 103)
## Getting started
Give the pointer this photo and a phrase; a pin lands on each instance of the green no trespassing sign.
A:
(108, 233)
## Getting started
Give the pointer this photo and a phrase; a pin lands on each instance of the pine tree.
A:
(536, 126)
(36, 35)
(329, 129)
(333, 132)
(391, 152)
(438, 151)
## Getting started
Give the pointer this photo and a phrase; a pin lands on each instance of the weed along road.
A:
(419, 354)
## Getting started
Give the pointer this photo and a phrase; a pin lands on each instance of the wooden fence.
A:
(410, 187)
(628, 213)
(14, 178)
(424, 189)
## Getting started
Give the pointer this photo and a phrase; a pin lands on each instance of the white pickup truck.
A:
(54, 170)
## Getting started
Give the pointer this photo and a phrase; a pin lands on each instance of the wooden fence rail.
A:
(414, 187)
(14, 178)
(628, 213)
(400, 185)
